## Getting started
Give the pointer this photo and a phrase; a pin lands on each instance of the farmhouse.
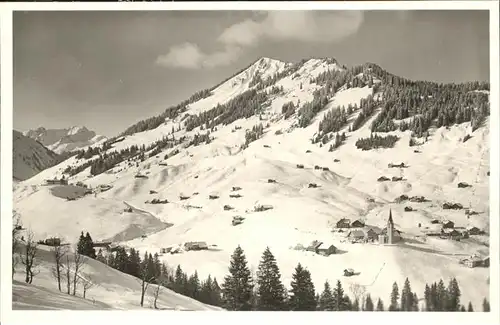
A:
(356, 235)
(314, 246)
(357, 224)
(372, 234)
(61, 181)
(451, 234)
(447, 224)
(326, 250)
(473, 230)
(195, 246)
(344, 223)
(105, 245)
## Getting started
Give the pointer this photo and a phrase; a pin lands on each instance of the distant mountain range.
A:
(65, 140)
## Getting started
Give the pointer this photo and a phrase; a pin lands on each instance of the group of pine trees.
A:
(376, 141)
(108, 160)
(255, 133)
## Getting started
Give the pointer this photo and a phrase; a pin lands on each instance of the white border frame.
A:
(85, 317)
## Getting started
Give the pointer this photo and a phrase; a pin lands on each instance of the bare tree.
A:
(59, 253)
(16, 230)
(68, 274)
(87, 284)
(146, 278)
(160, 282)
(78, 263)
(358, 292)
(29, 257)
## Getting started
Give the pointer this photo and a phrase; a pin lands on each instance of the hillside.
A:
(65, 140)
(309, 140)
(111, 289)
(30, 157)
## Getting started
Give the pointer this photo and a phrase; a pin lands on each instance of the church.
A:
(389, 234)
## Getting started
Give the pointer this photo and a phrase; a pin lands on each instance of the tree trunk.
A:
(58, 270)
(84, 292)
(142, 292)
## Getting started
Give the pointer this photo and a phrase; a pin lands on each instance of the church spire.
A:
(390, 221)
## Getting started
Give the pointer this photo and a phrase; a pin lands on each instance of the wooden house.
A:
(357, 224)
(344, 223)
(473, 230)
(356, 235)
(447, 224)
(195, 246)
(326, 250)
(435, 221)
(371, 234)
(314, 246)
(105, 245)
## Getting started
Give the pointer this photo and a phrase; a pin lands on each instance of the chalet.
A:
(235, 196)
(195, 246)
(451, 234)
(183, 198)
(312, 185)
(213, 197)
(228, 207)
(401, 165)
(463, 185)
(357, 224)
(271, 180)
(314, 246)
(473, 230)
(105, 245)
(447, 224)
(344, 223)
(152, 192)
(165, 250)
(401, 198)
(408, 209)
(336, 160)
(486, 262)
(382, 179)
(236, 188)
(300, 166)
(325, 169)
(471, 262)
(371, 234)
(356, 235)
(54, 241)
(435, 221)
(61, 181)
(396, 179)
(140, 176)
(326, 250)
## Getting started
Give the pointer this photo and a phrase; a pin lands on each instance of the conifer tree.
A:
(453, 296)
(406, 297)
(394, 298)
(89, 246)
(270, 289)
(442, 296)
(340, 300)
(469, 307)
(303, 297)
(215, 296)
(380, 305)
(427, 298)
(368, 303)
(325, 301)
(237, 287)
(486, 305)
(355, 305)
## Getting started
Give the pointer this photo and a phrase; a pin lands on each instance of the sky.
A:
(108, 70)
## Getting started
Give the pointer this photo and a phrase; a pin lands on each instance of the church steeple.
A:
(390, 221)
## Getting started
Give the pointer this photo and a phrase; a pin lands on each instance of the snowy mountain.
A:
(65, 140)
(30, 157)
(276, 156)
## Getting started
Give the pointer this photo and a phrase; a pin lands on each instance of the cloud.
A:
(271, 26)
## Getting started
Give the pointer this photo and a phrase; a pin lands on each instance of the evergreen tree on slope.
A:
(270, 290)
(237, 287)
(303, 297)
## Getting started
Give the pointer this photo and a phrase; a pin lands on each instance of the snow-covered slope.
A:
(65, 140)
(111, 289)
(29, 157)
(347, 186)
